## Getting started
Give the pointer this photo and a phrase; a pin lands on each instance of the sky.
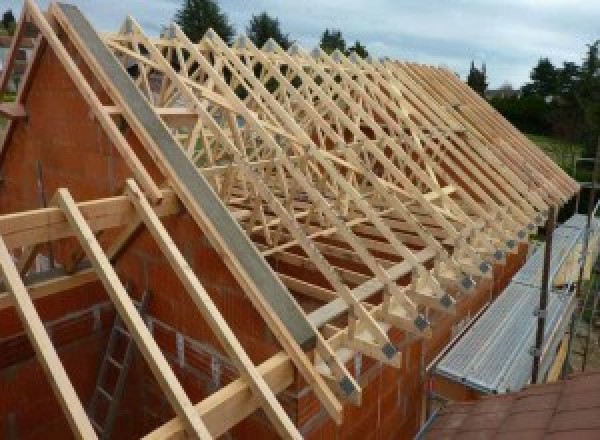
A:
(508, 35)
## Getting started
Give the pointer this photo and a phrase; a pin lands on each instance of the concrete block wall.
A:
(75, 153)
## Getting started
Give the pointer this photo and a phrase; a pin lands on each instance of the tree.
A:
(332, 40)
(196, 16)
(262, 27)
(544, 80)
(476, 79)
(359, 49)
(8, 21)
(588, 95)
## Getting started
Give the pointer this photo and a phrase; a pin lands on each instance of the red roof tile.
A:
(558, 411)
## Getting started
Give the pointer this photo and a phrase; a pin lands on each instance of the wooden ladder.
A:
(112, 361)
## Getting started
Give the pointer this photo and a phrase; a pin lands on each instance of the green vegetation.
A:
(196, 16)
(7, 23)
(262, 27)
(563, 152)
(477, 78)
(332, 40)
(560, 102)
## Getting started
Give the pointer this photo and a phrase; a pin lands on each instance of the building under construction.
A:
(202, 240)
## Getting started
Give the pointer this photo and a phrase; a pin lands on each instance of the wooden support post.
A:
(541, 310)
(57, 376)
(132, 319)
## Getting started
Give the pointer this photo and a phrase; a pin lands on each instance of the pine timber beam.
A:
(46, 354)
(132, 319)
(12, 111)
(42, 225)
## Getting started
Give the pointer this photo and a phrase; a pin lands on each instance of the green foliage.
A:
(543, 80)
(562, 102)
(528, 113)
(359, 49)
(262, 27)
(8, 22)
(196, 16)
(332, 40)
(476, 79)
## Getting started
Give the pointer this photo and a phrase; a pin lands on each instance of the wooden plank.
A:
(230, 405)
(46, 354)
(12, 110)
(132, 319)
(53, 285)
(41, 225)
(211, 314)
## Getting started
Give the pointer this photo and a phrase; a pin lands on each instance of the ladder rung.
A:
(104, 393)
(114, 362)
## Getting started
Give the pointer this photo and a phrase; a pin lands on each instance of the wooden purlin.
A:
(42, 345)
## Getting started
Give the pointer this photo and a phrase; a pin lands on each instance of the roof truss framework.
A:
(358, 171)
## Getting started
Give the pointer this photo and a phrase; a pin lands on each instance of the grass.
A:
(564, 153)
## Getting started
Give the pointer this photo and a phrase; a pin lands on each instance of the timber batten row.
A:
(392, 184)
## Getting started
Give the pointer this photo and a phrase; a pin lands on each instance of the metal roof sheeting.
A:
(494, 354)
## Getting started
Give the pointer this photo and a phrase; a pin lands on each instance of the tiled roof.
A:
(563, 410)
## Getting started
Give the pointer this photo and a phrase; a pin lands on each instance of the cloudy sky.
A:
(509, 35)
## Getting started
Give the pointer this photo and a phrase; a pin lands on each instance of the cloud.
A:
(509, 35)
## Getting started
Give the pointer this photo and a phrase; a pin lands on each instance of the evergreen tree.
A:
(359, 49)
(589, 98)
(477, 78)
(196, 16)
(262, 27)
(332, 40)
(544, 80)
(8, 21)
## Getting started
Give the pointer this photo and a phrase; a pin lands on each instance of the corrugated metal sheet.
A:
(494, 356)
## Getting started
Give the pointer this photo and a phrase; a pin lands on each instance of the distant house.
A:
(502, 93)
